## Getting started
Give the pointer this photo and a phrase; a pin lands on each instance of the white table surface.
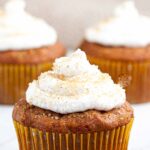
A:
(139, 140)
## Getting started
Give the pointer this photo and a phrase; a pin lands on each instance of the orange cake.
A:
(73, 106)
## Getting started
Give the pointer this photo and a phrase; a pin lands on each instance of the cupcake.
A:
(74, 106)
(121, 45)
(28, 46)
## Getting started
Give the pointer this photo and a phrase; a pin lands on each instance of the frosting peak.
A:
(125, 28)
(75, 64)
(19, 30)
(74, 85)
(126, 9)
(15, 6)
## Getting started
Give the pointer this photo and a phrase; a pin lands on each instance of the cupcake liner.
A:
(14, 79)
(139, 71)
(34, 139)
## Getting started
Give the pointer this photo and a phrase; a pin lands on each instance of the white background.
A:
(139, 140)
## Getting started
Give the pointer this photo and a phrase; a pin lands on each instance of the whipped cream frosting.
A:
(74, 85)
(126, 28)
(19, 30)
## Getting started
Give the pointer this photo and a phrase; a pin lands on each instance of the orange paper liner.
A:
(14, 79)
(34, 139)
(139, 71)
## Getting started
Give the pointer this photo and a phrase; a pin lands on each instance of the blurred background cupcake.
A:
(28, 46)
(74, 106)
(121, 45)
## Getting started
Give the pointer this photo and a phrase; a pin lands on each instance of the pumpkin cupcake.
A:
(121, 45)
(74, 106)
(28, 46)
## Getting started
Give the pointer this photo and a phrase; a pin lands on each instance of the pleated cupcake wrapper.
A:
(14, 80)
(34, 139)
(138, 90)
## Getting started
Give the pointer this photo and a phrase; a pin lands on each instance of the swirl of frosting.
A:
(74, 85)
(19, 30)
(126, 28)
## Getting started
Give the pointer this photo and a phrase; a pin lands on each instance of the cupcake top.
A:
(125, 28)
(74, 85)
(19, 30)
